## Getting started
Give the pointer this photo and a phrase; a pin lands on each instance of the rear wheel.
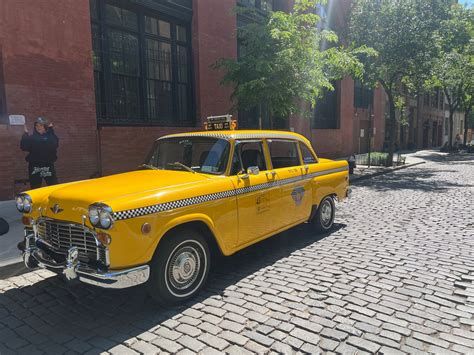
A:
(324, 219)
(179, 267)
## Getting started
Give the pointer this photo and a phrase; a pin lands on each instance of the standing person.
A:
(42, 146)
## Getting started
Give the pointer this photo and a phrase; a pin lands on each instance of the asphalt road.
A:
(395, 276)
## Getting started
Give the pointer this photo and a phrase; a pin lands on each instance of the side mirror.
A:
(4, 227)
(253, 170)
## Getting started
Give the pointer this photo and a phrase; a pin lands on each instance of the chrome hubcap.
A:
(184, 267)
(326, 213)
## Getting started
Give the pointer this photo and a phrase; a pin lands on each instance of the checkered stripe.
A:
(161, 207)
(253, 188)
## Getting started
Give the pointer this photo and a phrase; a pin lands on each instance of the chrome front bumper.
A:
(71, 268)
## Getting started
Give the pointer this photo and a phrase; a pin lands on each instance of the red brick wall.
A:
(124, 148)
(379, 117)
(46, 49)
(214, 36)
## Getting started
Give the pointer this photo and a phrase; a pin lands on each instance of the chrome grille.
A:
(63, 235)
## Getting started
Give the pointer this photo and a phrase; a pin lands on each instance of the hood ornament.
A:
(56, 209)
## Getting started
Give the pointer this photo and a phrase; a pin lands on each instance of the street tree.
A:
(402, 33)
(453, 68)
(467, 105)
(283, 66)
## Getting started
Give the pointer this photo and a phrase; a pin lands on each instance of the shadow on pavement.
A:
(450, 158)
(419, 179)
(54, 312)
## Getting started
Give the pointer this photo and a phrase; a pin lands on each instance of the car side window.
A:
(308, 156)
(247, 154)
(283, 153)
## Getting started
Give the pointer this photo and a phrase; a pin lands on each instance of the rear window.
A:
(308, 157)
(283, 153)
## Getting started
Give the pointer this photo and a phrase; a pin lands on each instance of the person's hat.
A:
(42, 121)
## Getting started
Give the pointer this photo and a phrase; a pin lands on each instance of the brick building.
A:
(113, 75)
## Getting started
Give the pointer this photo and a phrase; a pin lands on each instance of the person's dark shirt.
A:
(42, 148)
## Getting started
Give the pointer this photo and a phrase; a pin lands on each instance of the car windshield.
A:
(198, 154)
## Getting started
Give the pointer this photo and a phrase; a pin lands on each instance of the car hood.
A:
(77, 196)
(121, 185)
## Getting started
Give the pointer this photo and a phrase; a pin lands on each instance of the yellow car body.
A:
(234, 210)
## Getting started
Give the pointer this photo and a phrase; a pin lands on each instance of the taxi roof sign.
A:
(219, 123)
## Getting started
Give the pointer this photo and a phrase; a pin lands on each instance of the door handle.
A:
(272, 173)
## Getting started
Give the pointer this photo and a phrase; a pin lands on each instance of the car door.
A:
(257, 192)
(295, 188)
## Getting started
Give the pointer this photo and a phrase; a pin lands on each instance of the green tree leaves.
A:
(403, 33)
(282, 61)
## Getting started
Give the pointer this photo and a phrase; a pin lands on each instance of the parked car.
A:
(222, 190)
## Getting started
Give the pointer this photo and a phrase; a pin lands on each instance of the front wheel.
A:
(324, 219)
(179, 267)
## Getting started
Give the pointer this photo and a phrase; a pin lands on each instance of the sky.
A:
(467, 2)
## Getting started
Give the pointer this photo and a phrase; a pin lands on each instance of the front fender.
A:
(183, 220)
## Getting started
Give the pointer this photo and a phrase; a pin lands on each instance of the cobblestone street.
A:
(395, 276)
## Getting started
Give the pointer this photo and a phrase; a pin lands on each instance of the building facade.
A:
(114, 75)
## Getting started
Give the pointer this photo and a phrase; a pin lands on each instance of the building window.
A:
(262, 5)
(363, 95)
(142, 66)
(326, 115)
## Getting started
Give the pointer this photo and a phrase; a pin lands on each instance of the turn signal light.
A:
(26, 220)
(104, 238)
(146, 228)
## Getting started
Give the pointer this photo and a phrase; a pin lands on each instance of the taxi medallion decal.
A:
(298, 194)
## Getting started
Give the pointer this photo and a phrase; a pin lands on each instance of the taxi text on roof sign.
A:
(219, 123)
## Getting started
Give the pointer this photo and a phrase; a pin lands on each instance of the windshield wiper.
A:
(181, 165)
(148, 166)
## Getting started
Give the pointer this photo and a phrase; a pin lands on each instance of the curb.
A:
(15, 269)
(368, 176)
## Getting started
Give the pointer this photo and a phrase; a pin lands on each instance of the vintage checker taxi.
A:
(217, 190)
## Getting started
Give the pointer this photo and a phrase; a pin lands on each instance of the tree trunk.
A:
(451, 125)
(391, 128)
(466, 123)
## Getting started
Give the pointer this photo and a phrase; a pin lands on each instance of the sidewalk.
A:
(412, 159)
(9, 254)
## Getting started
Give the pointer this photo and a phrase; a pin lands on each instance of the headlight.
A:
(24, 203)
(101, 216)
(19, 203)
(105, 219)
(94, 215)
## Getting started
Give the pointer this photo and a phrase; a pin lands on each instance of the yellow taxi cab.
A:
(218, 189)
